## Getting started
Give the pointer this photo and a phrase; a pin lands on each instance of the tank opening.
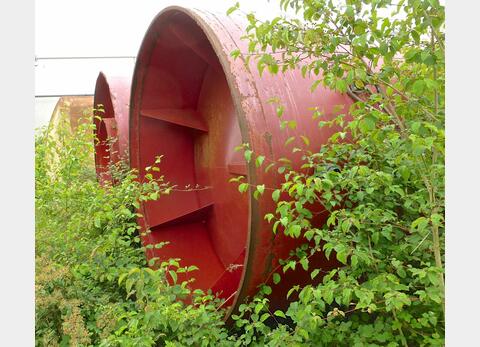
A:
(188, 116)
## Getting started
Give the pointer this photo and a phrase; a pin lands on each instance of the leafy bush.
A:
(93, 286)
(380, 178)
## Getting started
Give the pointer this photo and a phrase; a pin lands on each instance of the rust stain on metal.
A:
(268, 139)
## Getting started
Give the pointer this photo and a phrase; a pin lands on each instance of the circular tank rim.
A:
(198, 16)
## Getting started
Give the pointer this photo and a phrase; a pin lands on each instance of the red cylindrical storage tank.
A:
(111, 115)
(193, 103)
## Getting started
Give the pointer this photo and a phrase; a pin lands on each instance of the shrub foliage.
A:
(93, 285)
(380, 177)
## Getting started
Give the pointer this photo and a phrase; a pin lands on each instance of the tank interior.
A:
(187, 115)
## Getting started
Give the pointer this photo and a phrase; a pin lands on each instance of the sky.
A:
(100, 28)
(110, 30)
(75, 40)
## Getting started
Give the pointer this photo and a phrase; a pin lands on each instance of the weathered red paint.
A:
(193, 103)
(112, 95)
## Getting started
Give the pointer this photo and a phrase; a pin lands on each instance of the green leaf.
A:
(404, 172)
(328, 296)
(260, 67)
(305, 140)
(367, 124)
(269, 166)
(349, 12)
(304, 263)
(341, 85)
(342, 255)
(276, 278)
(269, 217)
(273, 68)
(315, 85)
(258, 308)
(346, 296)
(401, 272)
(279, 313)
(289, 140)
(233, 8)
(248, 155)
(295, 230)
(261, 188)
(354, 261)
(280, 110)
(309, 234)
(160, 245)
(264, 317)
(259, 160)
(275, 226)
(418, 87)
(174, 275)
(314, 273)
(291, 290)
(235, 53)
(420, 223)
(276, 195)
(122, 277)
(243, 187)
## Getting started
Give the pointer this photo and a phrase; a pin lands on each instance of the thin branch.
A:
(434, 32)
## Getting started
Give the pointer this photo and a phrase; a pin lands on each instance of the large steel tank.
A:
(192, 102)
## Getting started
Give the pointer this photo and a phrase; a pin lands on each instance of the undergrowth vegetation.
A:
(380, 178)
(93, 285)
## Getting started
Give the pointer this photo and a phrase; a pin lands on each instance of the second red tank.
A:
(111, 119)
